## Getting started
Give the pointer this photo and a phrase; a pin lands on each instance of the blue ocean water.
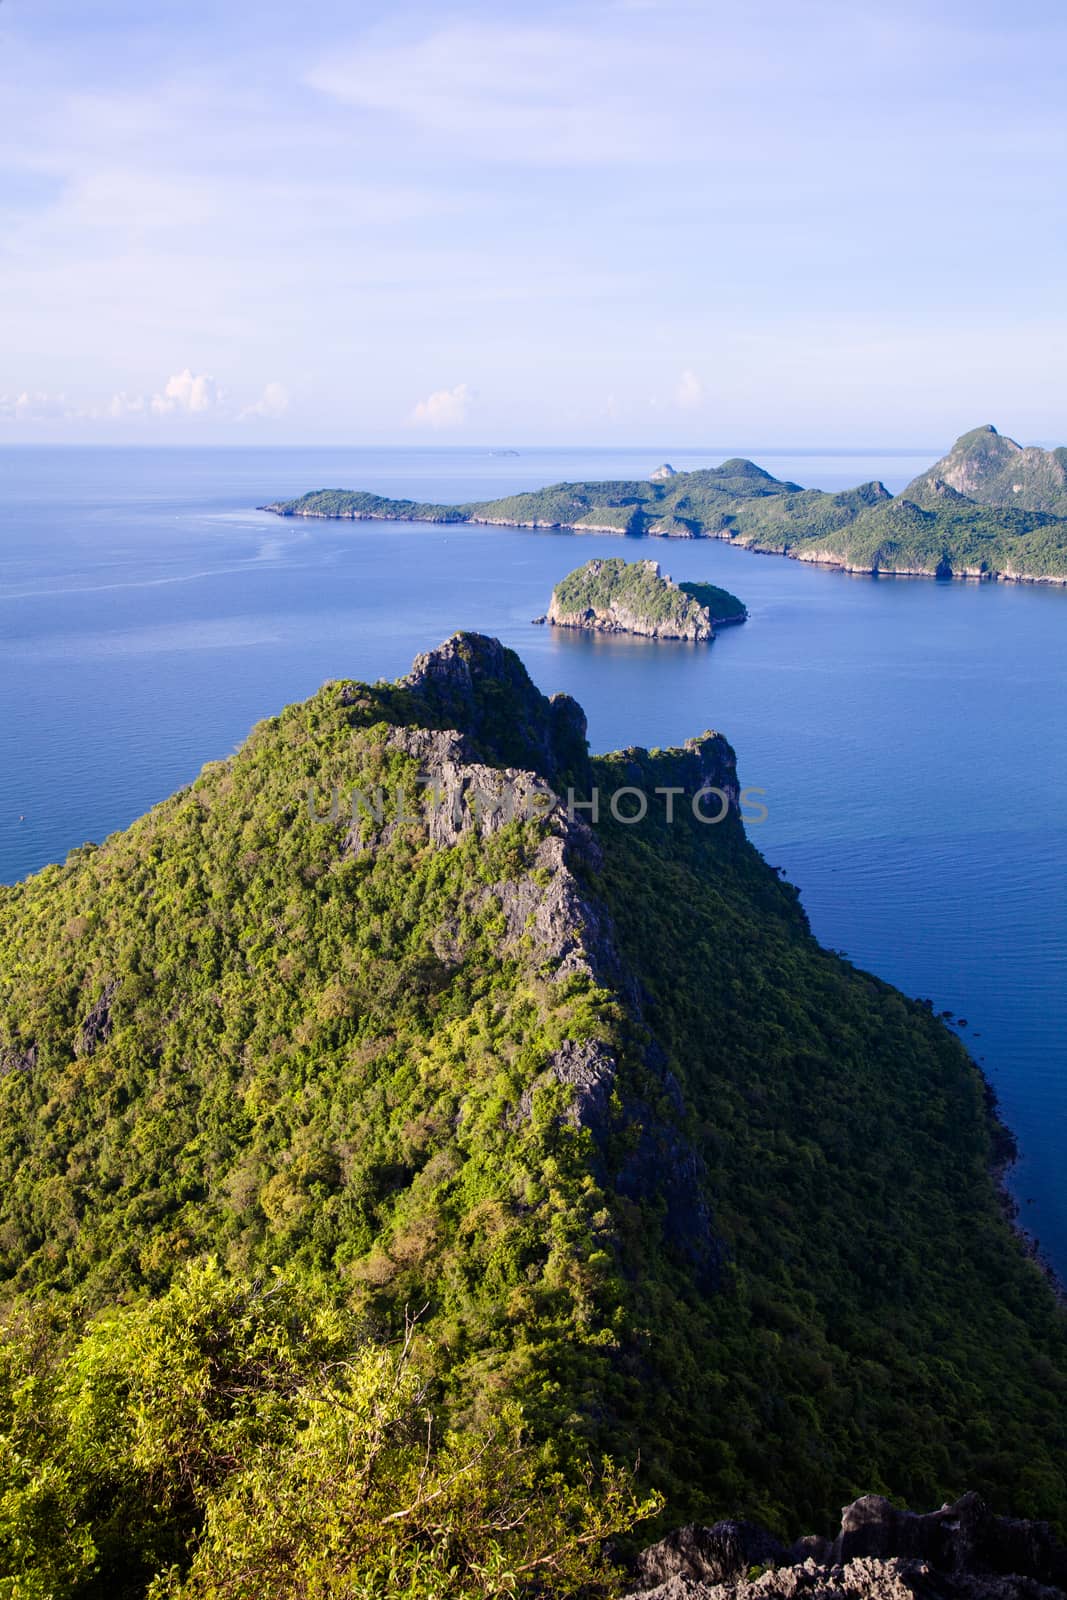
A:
(911, 736)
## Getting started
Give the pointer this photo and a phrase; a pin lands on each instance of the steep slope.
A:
(657, 1167)
(992, 469)
(946, 536)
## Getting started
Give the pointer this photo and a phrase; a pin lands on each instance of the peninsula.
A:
(378, 1159)
(990, 510)
(616, 596)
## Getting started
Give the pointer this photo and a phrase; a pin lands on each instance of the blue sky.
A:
(625, 222)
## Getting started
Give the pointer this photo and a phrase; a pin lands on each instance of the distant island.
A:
(989, 510)
(616, 596)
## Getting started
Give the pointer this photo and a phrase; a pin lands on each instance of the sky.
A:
(625, 222)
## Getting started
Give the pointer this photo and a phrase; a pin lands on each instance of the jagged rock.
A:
(12, 1060)
(866, 1578)
(96, 1028)
(719, 1554)
(961, 1552)
(475, 683)
(662, 474)
(549, 906)
(964, 1536)
(589, 1068)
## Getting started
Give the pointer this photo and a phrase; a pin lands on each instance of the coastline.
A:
(824, 559)
(1005, 1156)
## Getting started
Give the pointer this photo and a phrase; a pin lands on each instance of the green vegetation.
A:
(235, 1438)
(988, 509)
(655, 1176)
(634, 597)
(721, 605)
(361, 507)
(947, 536)
(995, 471)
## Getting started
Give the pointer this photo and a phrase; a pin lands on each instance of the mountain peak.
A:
(994, 470)
(477, 685)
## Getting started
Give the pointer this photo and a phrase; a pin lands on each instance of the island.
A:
(989, 510)
(616, 596)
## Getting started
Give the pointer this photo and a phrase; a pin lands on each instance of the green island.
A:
(413, 1183)
(616, 596)
(989, 510)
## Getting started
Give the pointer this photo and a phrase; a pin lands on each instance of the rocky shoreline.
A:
(635, 597)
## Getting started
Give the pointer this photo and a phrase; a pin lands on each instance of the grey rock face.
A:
(12, 1060)
(719, 1554)
(96, 1029)
(463, 684)
(961, 1552)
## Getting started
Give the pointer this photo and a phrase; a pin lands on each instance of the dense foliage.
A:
(233, 1438)
(720, 604)
(1010, 521)
(878, 1327)
(360, 506)
(259, 1040)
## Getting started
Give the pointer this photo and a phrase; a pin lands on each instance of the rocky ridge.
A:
(549, 908)
(961, 1552)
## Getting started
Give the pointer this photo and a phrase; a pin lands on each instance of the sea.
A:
(910, 735)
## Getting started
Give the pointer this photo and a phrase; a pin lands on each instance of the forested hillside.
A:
(382, 1146)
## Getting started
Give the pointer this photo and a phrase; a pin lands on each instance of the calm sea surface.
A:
(911, 736)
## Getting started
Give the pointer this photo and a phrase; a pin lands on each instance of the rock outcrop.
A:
(961, 1552)
(474, 683)
(988, 467)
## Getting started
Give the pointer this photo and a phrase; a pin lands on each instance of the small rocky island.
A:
(616, 596)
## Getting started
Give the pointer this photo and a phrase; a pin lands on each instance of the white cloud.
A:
(273, 402)
(445, 408)
(35, 406)
(690, 392)
(186, 392)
